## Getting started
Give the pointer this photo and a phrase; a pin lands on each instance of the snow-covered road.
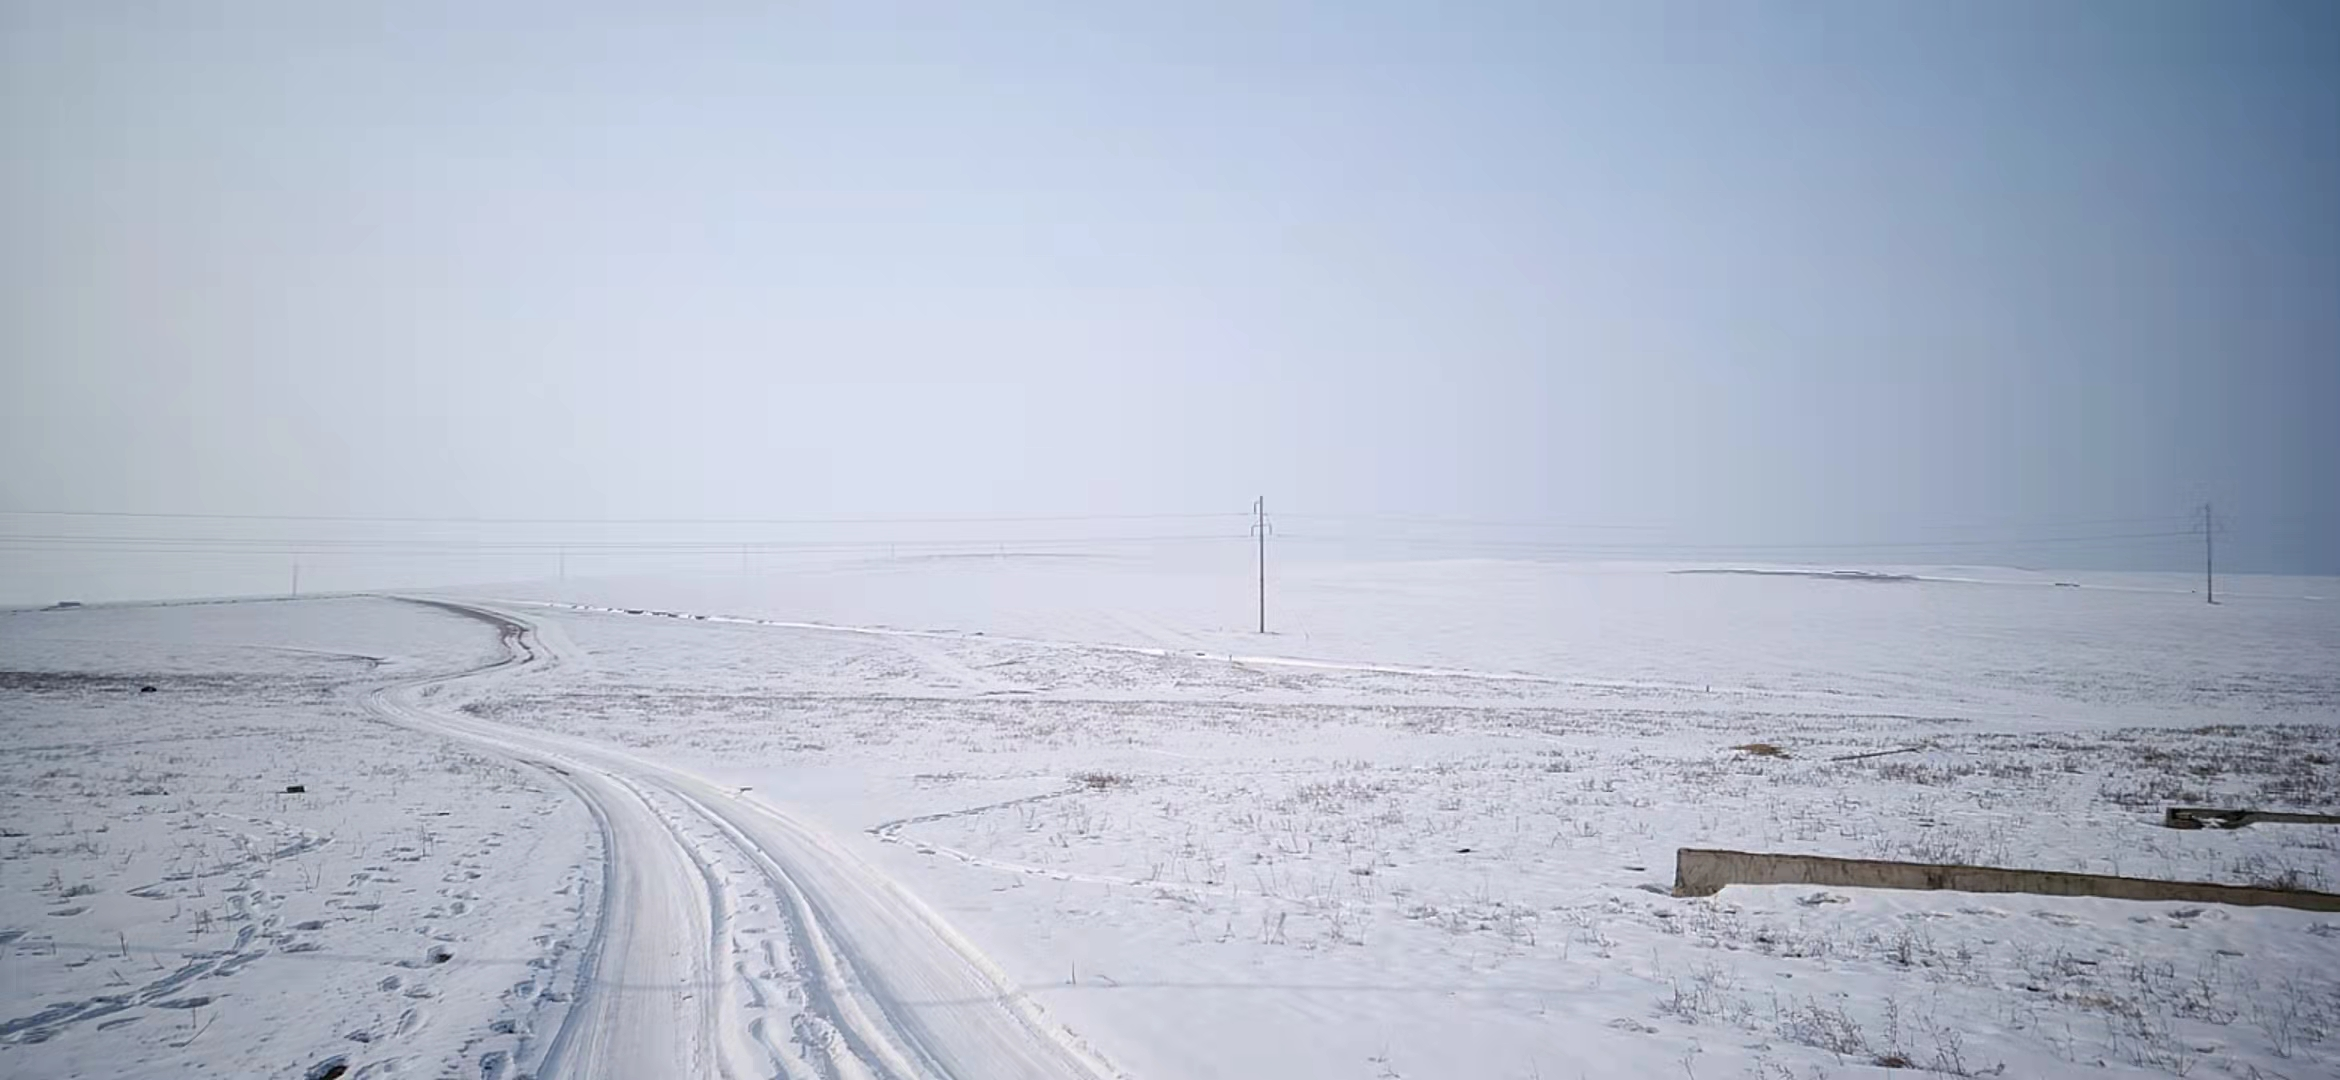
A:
(733, 941)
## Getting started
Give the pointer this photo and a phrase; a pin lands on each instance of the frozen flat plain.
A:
(167, 909)
(1068, 816)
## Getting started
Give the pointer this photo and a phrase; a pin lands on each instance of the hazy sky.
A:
(1752, 272)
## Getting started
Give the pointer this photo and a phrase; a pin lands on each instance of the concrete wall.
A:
(1704, 871)
(2194, 817)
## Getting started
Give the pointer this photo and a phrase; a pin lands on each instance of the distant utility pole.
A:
(564, 565)
(296, 577)
(1260, 528)
(2208, 523)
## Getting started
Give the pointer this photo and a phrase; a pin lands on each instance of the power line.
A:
(391, 546)
(2075, 523)
(1424, 519)
(1629, 548)
(1403, 519)
(491, 520)
(78, 541)
(1429, 519)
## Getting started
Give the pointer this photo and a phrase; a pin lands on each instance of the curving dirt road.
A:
(732, 941)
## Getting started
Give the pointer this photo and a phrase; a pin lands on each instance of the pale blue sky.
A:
(1753, 273)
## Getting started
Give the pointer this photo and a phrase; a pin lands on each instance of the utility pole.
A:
(564, 566)
(1260, 528)
(2209, 527)
(296, 577)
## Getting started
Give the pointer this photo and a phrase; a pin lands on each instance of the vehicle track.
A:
(724, 923)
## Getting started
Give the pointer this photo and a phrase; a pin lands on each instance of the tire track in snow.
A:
(877, 985)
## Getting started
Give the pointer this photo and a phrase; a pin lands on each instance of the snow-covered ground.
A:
(1070, 814)
(168, 909)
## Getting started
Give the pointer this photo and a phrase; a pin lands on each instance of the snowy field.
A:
(1008, 817)
(167, 909)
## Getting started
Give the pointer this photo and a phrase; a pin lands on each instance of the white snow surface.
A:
(168, 909)
(1023, 817)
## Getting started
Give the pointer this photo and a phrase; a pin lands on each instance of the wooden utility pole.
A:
(2209, 526)
(1259, 528)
